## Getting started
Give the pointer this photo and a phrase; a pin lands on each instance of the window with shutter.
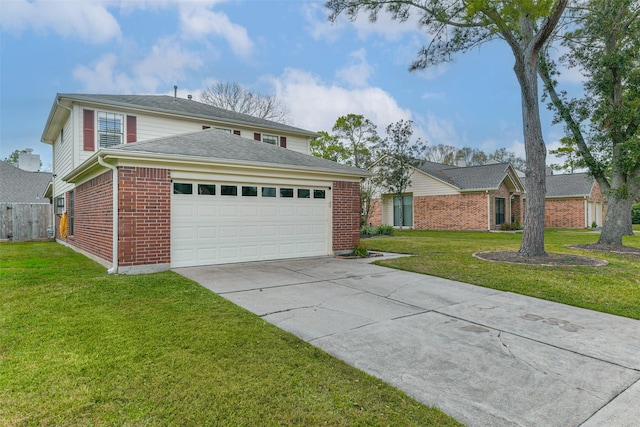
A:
(257, 136)
(132, 131)
(88, 130)
(236, 132)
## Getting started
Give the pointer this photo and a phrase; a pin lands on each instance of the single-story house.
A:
(192, 185)
(446, 197)
(573, 201)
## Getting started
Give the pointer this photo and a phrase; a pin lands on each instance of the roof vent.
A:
(175, 92)
(189, 97)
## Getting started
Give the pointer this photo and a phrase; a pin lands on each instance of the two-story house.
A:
(191, 184)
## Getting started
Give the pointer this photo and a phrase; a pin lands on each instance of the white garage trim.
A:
(250, 225)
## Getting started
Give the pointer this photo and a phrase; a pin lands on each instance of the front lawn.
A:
(79, 347)
(613, 289)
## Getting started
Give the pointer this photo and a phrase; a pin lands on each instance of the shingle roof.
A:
(18, 186)
(175, 105)
(215, 144)
(483, 177)
(569, 185)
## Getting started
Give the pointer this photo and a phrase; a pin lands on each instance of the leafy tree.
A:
(232, 96)
(441, 153)
(472, 156)
(329, 147)
(395, 168)
(460, 25)
(502, 155)
(569, 151)
(12, 158)
(360, 138)
(605, 46)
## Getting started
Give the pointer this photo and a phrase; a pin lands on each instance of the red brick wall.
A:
(144, 228)
(93, 222)
(346, 215)
(450, 212)
(375, 214)
(564, 213)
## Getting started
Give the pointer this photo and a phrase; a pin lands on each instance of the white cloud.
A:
(197, 21)
(357, 73)
(163, 66)
(87, 20)
(316, 105)
(436, 131)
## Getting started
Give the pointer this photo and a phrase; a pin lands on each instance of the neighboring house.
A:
(446, 197)
(25, 212)
(192, 185)
(573, 201)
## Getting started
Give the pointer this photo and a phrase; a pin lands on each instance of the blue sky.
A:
(319, 70)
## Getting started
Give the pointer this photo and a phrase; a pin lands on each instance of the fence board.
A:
(20, 222)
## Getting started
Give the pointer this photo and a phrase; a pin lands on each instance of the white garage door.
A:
(225, 223)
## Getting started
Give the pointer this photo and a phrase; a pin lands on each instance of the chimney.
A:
(189, 97)
(175, 92)
(461, 163)
(29, 162)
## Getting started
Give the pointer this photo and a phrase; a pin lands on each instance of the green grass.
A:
(613, 289)
(79, 347)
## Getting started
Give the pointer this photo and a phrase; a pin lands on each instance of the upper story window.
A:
(110, 129)
(270, 139)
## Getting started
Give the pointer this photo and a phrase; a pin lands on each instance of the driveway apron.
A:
(485, 357)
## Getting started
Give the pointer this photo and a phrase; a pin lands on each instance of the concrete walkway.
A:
(483, 356)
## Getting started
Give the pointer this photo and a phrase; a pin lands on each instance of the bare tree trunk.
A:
(536, 153)
(617, 222)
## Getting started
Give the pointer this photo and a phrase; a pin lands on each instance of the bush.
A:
(365, 230)
(361, 250)
(635, 213)
(386, 230)
(510, 226)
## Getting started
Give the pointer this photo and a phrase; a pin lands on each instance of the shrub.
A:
(635, 213)
(361, 250)
(365, 230)
(386, 230)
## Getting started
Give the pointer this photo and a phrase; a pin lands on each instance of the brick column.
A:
(346, 215)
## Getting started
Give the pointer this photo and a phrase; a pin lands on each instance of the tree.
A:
(329, 147)
(12, 158)
(502, 155)
(441, 153)
(606, 48)
(232, 96)
(568, 150)
(395, 168)
(472, 156)
(360, 138)
(460, 25)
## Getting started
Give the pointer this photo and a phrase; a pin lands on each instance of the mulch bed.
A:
(553, 260)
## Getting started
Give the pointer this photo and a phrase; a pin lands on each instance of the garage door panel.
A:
(213, 229)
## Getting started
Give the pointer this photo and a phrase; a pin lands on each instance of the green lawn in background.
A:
(79, 347)
(614, 288)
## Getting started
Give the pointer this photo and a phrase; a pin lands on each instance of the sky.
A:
(319, 70)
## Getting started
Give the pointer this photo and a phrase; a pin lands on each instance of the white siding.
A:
(63, 159)
(424, 185)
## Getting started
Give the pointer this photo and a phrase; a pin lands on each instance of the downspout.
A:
(488, 211)
(114, 171)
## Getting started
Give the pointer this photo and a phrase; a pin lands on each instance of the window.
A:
(268, 191)
(500, 210)
(224, 130)
(110, 129)
(59, 205)
(286, 192)
(207, 189)
(270, 139)
(72, 212)
(407, 211)
(304, 193)
(248, 191)
(182, 188)
(318, 194)
(228, 190)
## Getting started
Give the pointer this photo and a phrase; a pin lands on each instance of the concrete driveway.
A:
(483, 356)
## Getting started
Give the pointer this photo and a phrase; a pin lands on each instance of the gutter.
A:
(114, 239)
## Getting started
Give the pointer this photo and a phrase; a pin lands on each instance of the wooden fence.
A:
(20, 222)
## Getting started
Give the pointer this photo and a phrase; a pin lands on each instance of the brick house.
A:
(573, 201)
(192, 184)
(446, 197)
